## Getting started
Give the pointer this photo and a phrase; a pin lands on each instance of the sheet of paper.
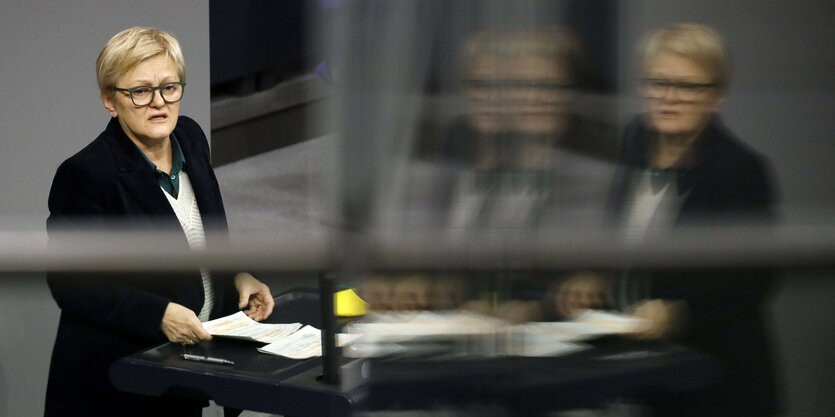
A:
(239, 326)
(303, 344)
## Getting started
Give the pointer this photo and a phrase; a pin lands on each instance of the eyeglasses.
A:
(657, 88)
(518, 90)
(143, 95)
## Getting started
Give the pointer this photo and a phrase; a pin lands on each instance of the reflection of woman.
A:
(149, 167)
(681, 166)
(530, 159)
(522, 87)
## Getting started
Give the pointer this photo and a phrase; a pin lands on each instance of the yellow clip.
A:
(349, 304)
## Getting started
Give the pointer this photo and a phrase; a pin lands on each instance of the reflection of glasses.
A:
(143, 95)
(658, 88)
(517, 89)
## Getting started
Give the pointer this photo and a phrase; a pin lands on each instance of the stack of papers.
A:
(290, 340)
(430, 333)
(305, 343)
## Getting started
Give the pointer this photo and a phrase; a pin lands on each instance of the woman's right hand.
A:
(663, 318)
(182, 326)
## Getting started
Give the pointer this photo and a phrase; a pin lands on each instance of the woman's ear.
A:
(110, 104)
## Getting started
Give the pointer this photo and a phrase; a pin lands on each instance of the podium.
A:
(615, 368)
(257, 381)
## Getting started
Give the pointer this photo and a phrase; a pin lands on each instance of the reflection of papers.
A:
(588, 325)
(562, 331)
(303, 344)
(446, 334)
(462, 334)
(610, 323)
(239, 326)
(398, 327)
(523, 342)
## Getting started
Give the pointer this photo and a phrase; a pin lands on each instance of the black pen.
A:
(207, 359)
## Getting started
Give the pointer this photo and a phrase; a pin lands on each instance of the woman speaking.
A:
(149, 167)
(681, 167)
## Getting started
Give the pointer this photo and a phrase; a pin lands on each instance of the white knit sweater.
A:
(185, 206)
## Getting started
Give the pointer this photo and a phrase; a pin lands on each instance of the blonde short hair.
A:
(131, 46)
(695, 42)
(553, 42)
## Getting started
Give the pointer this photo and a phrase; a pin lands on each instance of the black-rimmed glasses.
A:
(526, 90)
(658, 88)
(143, 95)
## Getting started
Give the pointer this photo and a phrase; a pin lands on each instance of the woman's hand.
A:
(254, 295)
(182, 326)
(664, 318)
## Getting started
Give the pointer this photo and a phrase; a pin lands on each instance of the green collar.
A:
(170, 182)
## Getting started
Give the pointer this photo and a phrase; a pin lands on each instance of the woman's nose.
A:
(157, 100)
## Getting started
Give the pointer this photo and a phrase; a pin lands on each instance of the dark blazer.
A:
(106, 316)
(730, 182)
(729, 179)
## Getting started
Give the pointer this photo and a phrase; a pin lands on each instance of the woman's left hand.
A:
(254, 295)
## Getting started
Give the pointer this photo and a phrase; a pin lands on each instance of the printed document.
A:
(239, 326)
(303, 344)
